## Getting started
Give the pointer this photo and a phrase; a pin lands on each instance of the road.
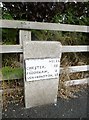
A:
(72, 108)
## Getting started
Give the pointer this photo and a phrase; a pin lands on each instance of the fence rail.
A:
(74, 69)
(42, 26)
(26, 25)
(77, 82)
(19, 48)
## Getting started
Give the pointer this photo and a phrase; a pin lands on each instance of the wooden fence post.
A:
(24, 36)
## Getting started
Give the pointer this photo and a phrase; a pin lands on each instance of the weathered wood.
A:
(79, 48)
(42, 26)
(74, 69)
(24, 36)
(19, 48)
(77, 82)
(10, 49)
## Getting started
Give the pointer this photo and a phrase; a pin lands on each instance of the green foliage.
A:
(42, 35)
(9, 36)
(67, 13)
(66, 38)
(6, 15)
(74, 13)
(70, 18)
(10, 73)
(71, 13)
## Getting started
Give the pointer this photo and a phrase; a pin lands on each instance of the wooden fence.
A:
(26, 25)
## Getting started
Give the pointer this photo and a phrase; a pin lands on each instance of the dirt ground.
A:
(71, 108)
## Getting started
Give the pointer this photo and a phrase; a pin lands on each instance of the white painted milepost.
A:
(42, 69)
(41, 72)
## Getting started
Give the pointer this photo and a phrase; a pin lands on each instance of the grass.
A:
(12, 89)
(9, 72)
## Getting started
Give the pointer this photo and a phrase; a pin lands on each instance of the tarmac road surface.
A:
(72, 108)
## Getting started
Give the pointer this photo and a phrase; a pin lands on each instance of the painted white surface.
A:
(42, 69)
